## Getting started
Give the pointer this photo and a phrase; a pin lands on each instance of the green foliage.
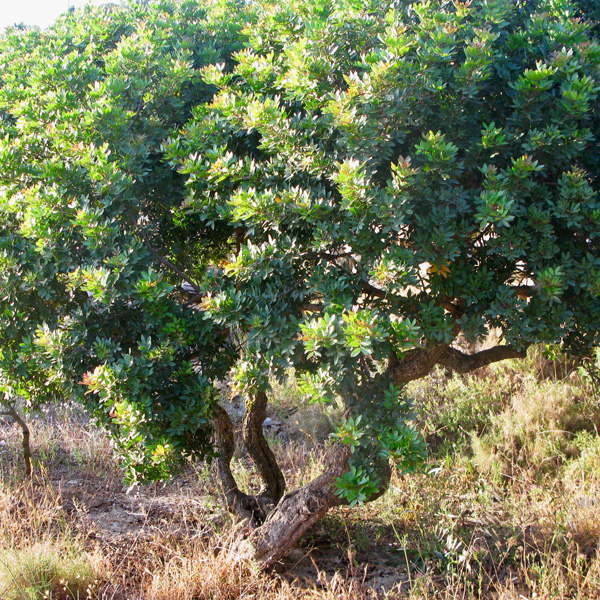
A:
(336, 182)
(387, 434)
(89, 221)
(348, 179)
(356, 486)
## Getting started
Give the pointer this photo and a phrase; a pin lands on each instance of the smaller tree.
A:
(8, 409)
(91, 305)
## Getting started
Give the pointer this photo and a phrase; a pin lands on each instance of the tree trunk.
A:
(296, 512)
(241, 505)
(11, 411)
(276, 529)
(261, 454)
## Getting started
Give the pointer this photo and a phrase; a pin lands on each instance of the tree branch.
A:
(415, 364)
(311, 307)
(463, 363)
(451, 308)
(373, 291)
(524, 290)
(167, 263)
(419, 362)
(326, 255)
(258, 448)
(161, 259)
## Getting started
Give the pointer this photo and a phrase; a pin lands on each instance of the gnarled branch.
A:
(415, 364)
(419, 362)
(463, 363)
(259, 450)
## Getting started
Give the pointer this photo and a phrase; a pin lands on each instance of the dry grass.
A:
(517, 518)
(203, 570)
(43, 555)
(538, 429)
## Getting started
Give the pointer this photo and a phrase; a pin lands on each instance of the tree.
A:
(348, 188)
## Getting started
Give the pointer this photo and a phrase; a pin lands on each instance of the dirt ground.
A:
(123, 523)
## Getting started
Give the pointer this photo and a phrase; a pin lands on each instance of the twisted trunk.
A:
(277, 529)
(297, 512)
(273, 481)
(301, 509)
(274, 530)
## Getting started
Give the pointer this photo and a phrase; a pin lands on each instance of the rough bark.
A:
(261, 454)
(296, 512)
(11, 411)
(241, 505)
(419, 362)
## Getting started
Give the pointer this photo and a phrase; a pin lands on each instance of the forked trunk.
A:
(273, 529)
(276, 523)
(242, 506)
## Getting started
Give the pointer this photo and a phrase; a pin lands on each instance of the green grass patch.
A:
(45, 571)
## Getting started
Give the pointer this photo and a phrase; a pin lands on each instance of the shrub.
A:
(538, 430)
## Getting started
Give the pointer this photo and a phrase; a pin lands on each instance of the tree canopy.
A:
(88, 209)
(347, 188)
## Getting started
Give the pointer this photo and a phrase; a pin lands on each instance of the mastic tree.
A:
(347, 188)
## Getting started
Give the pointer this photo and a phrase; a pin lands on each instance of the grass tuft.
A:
(46, 570)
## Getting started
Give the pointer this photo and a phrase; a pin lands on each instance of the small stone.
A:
(97, 502)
